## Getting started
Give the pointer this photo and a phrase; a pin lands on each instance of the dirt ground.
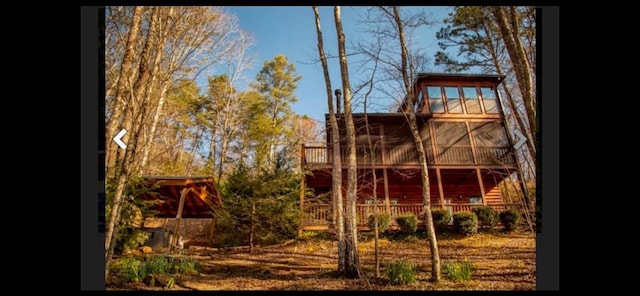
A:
(502, 262)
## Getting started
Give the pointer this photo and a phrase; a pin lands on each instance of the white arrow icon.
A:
(521, 140)
(118, 138)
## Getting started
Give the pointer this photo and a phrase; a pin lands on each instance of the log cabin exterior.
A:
(468, 149)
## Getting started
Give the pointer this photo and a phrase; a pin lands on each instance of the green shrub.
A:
(129, 269)
(401, 272)
(383, 222)
(458, 271)
(486, 215)
(185, 265)
(157, 265)
(408, 223)
(441, 218)
(133, 269)
(465, 223)
(510, 219)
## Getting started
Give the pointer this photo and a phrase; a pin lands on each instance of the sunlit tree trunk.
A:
(336, 189)
(406, 70)
(351, 231)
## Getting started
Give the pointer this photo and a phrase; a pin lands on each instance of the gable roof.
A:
(201, 198)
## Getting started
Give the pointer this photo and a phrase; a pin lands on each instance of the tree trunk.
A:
(523, 127)
(352, 265)
(336, 189)
(422, 157)
(520, 64)
(122, 87)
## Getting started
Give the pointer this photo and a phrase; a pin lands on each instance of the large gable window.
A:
(453, 99)
(490, 100)
(471, 100)
(435, 99)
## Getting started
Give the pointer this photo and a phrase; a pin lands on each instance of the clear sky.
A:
(290, 30)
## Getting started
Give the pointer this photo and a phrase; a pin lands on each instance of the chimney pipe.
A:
(338, 94)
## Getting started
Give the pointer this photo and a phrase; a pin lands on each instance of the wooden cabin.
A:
(468, 149)
(187, 209)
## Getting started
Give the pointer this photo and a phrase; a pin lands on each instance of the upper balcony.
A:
(407, 156)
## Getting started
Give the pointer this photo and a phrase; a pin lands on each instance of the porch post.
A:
(484, 200)
(183, 193)
(302, 189)
(383, 152)
(440, 190)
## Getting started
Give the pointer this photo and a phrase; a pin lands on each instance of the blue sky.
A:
(291, 31)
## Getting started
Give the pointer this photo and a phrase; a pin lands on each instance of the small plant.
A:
(510, 219)
(441, 218)
(408, 223)
(487, 216)
(460, 271)
(401, 272)
(157, 265)
(383, 222)
(129, 269)
(307, 235)
(465, 223)
(185, 266)
(170, 283)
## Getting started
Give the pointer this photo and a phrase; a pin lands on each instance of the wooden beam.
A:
(383, 151)
(386, 191)
(440, 190)
(484, 200)
(302, 189)
(183, 195)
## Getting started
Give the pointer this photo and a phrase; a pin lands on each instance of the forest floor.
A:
(501, 262)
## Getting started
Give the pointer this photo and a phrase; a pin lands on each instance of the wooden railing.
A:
(409, 156)
(321, 214)
(454, 155)
(494, 155)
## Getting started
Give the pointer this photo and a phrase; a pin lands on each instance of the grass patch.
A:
(459, 271)
(401, 272)
(136, 269)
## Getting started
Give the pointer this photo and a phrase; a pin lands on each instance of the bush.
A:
(129, 269)
(383, 222)
(486, 215)
(408, 223)
(401, 272)
(510, 219)
(465, 223)
(458, 271)
(132, 269)
(441, 218)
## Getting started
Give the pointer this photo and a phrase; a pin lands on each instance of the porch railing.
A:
(322, 214)
(401, 155)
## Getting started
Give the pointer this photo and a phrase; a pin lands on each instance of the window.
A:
(490, 100)
(475, 199)
(453, 99)
(471, 100)
(420, 105)
(435, 99)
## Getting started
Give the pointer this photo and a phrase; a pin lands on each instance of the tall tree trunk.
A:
(123, 87)
(520, 64)
(352, 265)
(523, 127)
(422, 157)
(336, 193)
(163, 33)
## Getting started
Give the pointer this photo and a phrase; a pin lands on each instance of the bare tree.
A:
(336, 189)
(406, 70)
(509, 23)
(351, 229)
